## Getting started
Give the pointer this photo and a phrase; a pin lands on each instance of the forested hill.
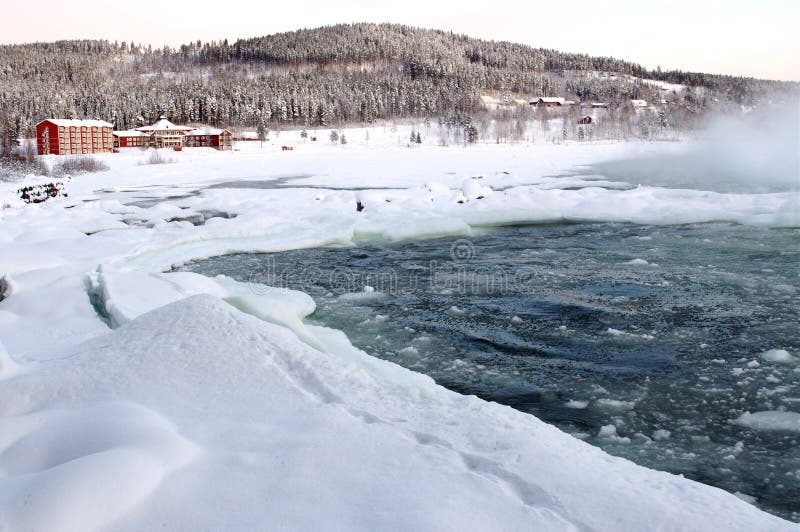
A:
(330, 75)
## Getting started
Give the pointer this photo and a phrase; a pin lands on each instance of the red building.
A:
(73, 137)
(131, 139)
(585, 120)
(544, 101)
(165, 134)
(221, 139)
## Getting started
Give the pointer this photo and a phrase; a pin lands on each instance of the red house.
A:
(73, 137)
(585, 120)
(221, 139)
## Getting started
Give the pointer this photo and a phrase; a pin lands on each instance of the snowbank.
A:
(198, 414)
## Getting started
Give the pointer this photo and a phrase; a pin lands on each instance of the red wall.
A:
(82, 145)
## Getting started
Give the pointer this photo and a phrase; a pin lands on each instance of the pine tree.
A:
(334, 136)
(343, 139)
(261, 129)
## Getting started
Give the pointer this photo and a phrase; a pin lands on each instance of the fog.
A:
(755, 152)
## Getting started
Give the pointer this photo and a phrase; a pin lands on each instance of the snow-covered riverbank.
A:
(132, 399)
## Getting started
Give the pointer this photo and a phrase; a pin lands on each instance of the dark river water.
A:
(645, 341)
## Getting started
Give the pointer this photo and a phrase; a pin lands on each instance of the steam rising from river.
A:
(754, 153)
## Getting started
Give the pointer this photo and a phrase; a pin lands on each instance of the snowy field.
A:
(133, 399)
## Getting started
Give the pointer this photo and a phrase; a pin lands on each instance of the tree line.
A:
(329, 76)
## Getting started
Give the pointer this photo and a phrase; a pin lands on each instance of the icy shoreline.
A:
(240, 411)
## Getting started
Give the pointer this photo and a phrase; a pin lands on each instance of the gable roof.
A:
(162, 124)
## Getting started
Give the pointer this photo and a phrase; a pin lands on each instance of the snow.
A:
(66, 122)
(162, 124)
(128, 394)
(770, 420)
(237, 418)
(130, 133)
(206, 131)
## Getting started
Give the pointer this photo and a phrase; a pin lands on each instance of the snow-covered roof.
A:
(68, 122)
(207, 131)
(129, 133)
(162, 124)
(549, 99)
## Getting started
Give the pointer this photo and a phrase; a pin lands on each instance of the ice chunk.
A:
(770, 420)
(615, 405)
(609, 432)
(578, 405)
(780, 356)
(661, 435)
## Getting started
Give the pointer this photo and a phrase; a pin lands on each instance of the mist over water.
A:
(752, 153)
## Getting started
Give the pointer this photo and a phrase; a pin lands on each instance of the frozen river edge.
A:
(240, 416)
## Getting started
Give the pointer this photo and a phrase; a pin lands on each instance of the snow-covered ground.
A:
(132, 399)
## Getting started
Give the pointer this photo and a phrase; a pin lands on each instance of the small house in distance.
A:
(544, 101)
(639, 104)
(585, 120)
(58, 136)
(220, 139)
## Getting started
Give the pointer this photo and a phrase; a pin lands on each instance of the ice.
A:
(746, 498)
(772, 420)
(609, 432)
(578, 405)
(779, 356)
(614, 404)
(661, 435)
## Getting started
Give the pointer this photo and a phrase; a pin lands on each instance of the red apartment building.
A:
(73, 137)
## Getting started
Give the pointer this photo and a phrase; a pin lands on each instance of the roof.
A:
(67, 122)
(162, 124)
(548, 99)
(207, 131)
(129, 133)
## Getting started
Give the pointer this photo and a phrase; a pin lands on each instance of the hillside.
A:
(331, 75)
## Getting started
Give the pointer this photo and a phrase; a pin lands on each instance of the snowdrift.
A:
(197, 415)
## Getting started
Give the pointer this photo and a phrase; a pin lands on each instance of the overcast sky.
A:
(730, 37)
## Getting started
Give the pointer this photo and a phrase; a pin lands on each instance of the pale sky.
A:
(738, 37)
